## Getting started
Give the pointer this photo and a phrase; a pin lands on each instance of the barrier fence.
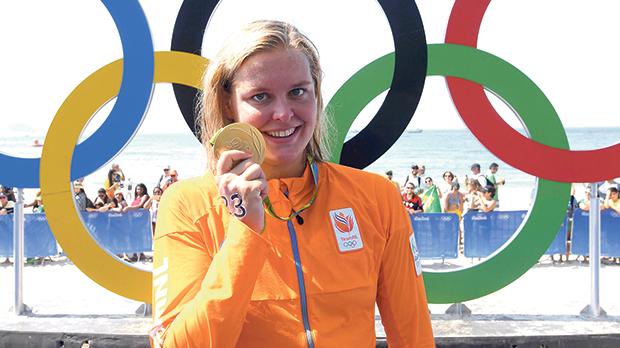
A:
(437, 234)
(610, 233)
(129, 232)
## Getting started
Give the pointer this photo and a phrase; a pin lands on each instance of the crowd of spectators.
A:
(480, 191)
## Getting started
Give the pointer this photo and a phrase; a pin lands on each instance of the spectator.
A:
(37, 204)
(6, 206)
(495, 180)
(111, 205)
(413, 176)
(487, 203)
(429, 183)
(141, 196)
(445, 186)
(453, 201)
(472, 195)
(421, 172)
(81, 200)
(584, 203)
(475, 174)
(8, 191)
(164, 177)
(612, 202)
(171, 180)
(603, 188)
(411, 201)
(102, 198)
(153, 205)
(390, 175)
(119, 198)
(115, 180)
(431, 197)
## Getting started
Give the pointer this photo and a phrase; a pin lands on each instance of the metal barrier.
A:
(436, 235)
(129, 232)
(610, 233)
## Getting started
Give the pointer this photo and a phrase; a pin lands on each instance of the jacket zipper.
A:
(302, 287)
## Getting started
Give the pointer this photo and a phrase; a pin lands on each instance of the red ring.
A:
(500, 138)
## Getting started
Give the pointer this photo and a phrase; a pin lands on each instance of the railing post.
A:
(18, 253)
(594, 308)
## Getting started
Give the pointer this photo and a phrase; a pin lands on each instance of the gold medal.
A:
(242, 137)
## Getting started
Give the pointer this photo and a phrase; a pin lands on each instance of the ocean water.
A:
(144, 157)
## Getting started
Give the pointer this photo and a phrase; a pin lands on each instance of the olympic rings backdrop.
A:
(402, 74)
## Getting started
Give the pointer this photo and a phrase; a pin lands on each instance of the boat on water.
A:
(414, 130)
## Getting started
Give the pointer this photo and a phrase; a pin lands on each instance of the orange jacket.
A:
(219, 284)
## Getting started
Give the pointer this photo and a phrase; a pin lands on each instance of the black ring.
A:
(398, 107)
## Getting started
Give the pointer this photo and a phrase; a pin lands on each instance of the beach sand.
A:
(546, 300)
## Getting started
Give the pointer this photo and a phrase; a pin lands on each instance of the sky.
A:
(567, 48)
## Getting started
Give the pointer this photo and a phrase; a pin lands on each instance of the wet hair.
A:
(455, 185)
(613, 190)
(254, 38)
(494, 165)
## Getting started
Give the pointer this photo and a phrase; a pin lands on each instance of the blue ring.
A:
(127, 113)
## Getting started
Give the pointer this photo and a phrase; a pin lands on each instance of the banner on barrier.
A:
(484, 233)
(38, 238)
(129, 232)
(436, 234)
(610, 233)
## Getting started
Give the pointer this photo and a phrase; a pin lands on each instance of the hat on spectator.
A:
(78, 184)
(167, 167)
(414, 166)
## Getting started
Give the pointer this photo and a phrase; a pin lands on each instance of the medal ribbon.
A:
(314, 169)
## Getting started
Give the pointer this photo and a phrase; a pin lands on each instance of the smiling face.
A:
(274, 91)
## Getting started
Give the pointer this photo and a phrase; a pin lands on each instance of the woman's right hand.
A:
(243, 186)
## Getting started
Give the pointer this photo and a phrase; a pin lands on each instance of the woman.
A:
(114, 180)
(141, 197)
(227, 276)
(472, 197)
(119, 202)
(453, 200)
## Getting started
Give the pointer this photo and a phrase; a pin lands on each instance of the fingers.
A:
(242, 185)
(229, 159)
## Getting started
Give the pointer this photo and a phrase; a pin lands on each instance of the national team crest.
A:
(346, 229)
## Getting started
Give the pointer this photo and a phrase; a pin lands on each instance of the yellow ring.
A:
(83, 102)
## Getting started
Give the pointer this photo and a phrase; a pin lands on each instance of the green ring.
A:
(542, 122)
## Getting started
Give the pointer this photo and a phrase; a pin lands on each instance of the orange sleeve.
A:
(401, 297)
(201, 291)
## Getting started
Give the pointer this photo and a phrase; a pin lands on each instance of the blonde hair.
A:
(255, 37)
